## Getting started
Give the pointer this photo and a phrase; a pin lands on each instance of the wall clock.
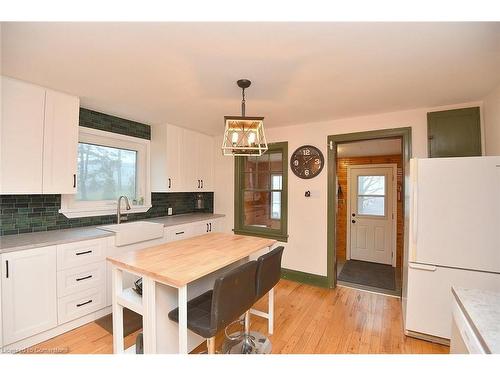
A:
(307, 162)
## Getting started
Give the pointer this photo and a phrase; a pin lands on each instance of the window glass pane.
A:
(276, 205)
(258, 210)
(276, 161)
(250, 180)
(251, 163)
(371, 185)
(276, 182)
(264, 181)
(371, 206)
(263, 164)
(105, 173)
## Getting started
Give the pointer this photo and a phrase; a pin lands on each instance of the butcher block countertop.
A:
(180, 262)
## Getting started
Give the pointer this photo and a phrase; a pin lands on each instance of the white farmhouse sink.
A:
(136, 231)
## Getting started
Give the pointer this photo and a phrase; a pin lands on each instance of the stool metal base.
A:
(256, 343)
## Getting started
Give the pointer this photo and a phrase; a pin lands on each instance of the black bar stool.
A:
(233, 294)
(267, 276)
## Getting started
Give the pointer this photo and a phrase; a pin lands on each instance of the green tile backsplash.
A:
(36, 213)
(102, 121)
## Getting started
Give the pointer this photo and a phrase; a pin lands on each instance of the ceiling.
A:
(185, 73)
(375, 147)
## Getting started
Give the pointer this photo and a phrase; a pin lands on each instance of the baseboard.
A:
(56, 331)
(305, 278)
(423, 336)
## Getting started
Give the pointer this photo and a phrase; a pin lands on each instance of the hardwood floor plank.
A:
(308, 320)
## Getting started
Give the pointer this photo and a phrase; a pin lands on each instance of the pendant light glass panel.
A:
(244, 136)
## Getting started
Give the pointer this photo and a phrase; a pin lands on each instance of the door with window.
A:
(371, 214)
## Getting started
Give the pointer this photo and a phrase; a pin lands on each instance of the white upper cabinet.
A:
(181, 160)
(60, 141)
(205, 164)
(165, 158)
(39, 140)
(21, 137)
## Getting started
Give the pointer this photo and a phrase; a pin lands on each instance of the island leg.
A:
(117, 288)
(183, 349)
(149, 314)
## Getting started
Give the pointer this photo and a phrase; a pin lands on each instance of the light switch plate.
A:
(169, 212)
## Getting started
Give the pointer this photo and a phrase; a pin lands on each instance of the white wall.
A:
(306, 249)
(491, 115)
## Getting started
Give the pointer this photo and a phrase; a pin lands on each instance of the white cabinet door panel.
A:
(29, 299)
(429, 305)
(21, 137)
(60, 145)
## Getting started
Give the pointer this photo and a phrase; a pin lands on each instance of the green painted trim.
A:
(239, 227)
(276, 237)
(405, 135)
(305, 278)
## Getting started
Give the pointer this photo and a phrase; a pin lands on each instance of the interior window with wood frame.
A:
(261, 185)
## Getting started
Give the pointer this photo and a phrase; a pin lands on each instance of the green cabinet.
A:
(454, 133)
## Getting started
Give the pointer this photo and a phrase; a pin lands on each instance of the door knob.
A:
(353, 221)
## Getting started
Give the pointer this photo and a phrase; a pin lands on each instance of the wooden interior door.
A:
(371, 214)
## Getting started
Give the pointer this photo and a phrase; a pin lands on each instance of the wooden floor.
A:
(308, 320)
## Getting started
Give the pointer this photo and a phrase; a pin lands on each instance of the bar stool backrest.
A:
(233, 294)
(268, 271)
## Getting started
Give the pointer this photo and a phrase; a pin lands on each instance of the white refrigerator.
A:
(454, 238)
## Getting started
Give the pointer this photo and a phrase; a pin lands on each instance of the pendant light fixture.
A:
(244, 136)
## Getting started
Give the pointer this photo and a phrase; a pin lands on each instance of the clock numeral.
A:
(296, 163)
(306, 172)
(307, 152)
(317, 161)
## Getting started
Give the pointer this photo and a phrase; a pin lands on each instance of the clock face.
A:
(307, 162)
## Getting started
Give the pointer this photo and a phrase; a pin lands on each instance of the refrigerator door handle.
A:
(423, 267)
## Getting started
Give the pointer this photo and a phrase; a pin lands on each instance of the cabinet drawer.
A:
(179, 232)
(79, 253)
(77, 305)
(76, 279)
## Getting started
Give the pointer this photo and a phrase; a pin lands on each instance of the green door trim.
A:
(333, 140)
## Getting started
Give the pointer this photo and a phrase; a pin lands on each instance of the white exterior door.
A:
(371, 215)
(29, 288)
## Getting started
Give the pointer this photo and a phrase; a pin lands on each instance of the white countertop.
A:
(26, 241)
(482, 310)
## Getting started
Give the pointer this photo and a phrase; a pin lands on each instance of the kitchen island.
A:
(172, 274)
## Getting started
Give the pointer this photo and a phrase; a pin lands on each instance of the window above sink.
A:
(109, 165)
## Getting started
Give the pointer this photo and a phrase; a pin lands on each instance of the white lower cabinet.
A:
(29, 298)
(204, 227)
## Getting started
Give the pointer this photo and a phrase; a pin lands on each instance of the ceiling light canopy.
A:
(244, 136)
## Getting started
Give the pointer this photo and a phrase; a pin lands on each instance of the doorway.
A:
(366, 194)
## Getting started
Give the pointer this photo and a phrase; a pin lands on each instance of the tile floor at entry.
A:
(308, 320)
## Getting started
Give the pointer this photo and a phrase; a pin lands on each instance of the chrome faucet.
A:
(118, 207)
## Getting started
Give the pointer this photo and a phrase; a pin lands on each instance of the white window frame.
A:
(72, 208)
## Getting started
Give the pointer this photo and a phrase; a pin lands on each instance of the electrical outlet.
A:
(169, 212)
